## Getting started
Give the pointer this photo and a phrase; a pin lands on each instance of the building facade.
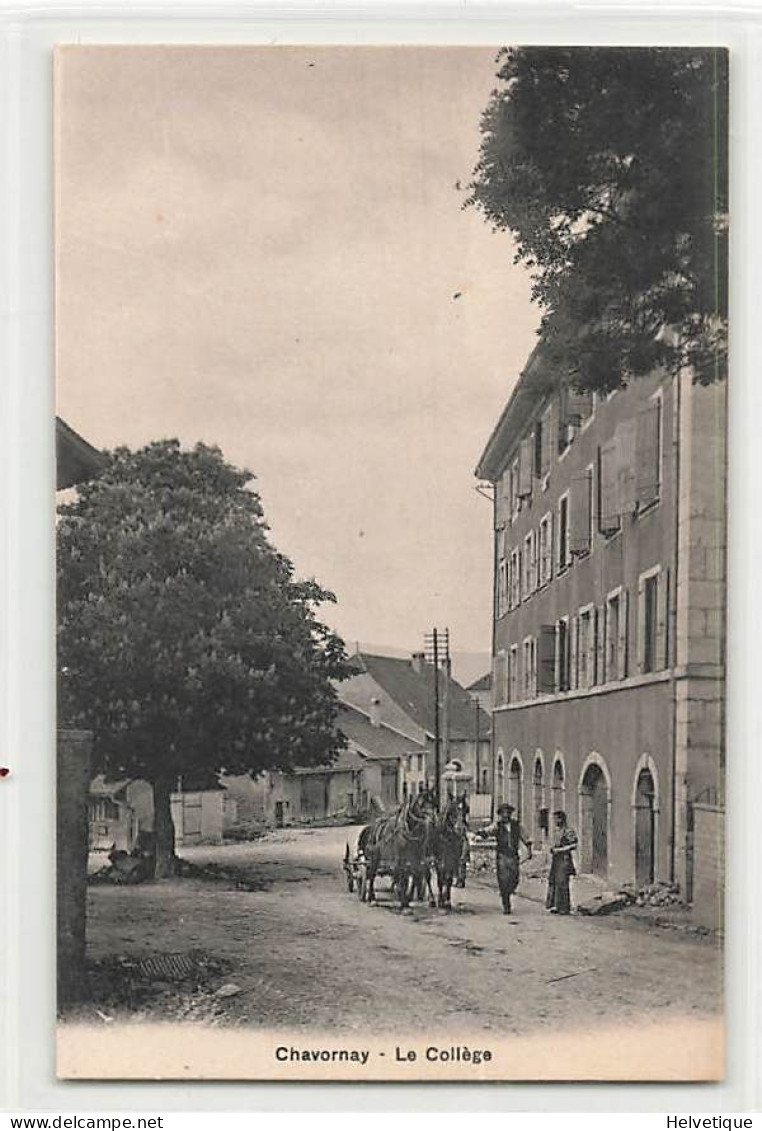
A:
(609, 599)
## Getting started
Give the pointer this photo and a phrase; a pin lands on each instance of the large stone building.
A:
(609, 599)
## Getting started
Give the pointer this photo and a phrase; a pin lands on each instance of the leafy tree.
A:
(609, 166)
(185, 643)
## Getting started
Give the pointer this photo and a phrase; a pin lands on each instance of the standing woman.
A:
(562, 868)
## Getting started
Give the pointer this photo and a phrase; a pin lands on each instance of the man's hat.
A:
(560, 815)
(504, 810)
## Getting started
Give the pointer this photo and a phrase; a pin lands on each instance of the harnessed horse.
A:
(399, 843)
(448, 832)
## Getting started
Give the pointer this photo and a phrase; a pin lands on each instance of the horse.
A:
(399, 843)
(449, 831)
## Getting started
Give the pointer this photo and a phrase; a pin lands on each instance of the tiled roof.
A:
(483, 683)
(413, 692)
(374, 741)
(348, 759)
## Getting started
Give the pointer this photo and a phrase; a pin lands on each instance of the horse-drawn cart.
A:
(356, 872)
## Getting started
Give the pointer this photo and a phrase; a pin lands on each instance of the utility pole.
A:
(476, 747)
(437, 640)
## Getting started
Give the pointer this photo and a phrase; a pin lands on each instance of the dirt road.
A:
(306, 954)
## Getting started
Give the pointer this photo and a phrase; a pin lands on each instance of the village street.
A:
(305, 954)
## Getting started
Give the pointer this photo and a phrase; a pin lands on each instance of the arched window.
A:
(515, 785)
(538, 800)
(500, 778)
(557, 788)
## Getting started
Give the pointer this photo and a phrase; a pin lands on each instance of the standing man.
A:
(562, 868)
(509, 836)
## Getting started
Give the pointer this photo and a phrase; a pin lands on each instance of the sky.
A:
(261, 248)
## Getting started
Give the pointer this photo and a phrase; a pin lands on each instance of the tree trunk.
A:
(164, 829)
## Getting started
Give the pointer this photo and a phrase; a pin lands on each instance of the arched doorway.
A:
(500, 778)
(594, 821)
(645, 828)
(558, 787)
(515, 785)
(539, 827)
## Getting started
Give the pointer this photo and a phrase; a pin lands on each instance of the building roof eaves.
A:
(531, 387)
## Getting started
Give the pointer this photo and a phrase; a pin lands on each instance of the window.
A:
(615, 645)
(575, 408)
(515, 594)
(530, 563)
(420, 763)
(649, 624)
(608, 504)
(585, 647)
(501, 589)
(563, 655)
(564, 557)
(513, 497)
(653, 592)
(526, 466)
(530, 668)
(543, 443)
(648, 446)
(612, 637)
(547, 675)
(513, 673)
(580, 520)
(546, 550)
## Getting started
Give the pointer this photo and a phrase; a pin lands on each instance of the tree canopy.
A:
(186, 644)
(609, 166)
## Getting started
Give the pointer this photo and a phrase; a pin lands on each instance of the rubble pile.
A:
(659, 895)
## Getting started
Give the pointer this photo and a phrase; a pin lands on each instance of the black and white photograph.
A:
(391, 562)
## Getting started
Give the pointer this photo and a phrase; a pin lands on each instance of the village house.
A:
(481, 690)
(119, 810)
(400, 693)
(609, 597)
(361, 781)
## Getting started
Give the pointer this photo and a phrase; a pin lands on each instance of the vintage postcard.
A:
(391, 562)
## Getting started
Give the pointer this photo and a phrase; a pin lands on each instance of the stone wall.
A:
(708, 865)
(71, 854)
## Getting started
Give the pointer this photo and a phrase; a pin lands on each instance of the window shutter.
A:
(557, 665)
(662, 613)
(626, 440)
(600, 643)
(525, 466)
(518, 577)
(573, 644)
(579, 514)
(608, 515)
(546, 446)
(546, 665)
(623, 638)
(648, 472)
(591, 647)
(641, 640)
(578, 406)
(551, 550)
